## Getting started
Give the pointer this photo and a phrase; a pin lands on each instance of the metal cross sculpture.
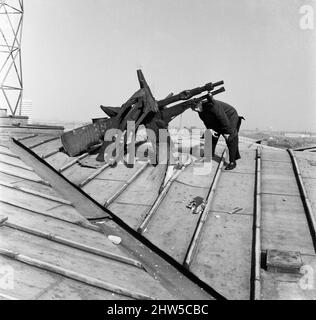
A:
(141, 109)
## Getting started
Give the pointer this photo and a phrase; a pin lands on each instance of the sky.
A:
(80, 54)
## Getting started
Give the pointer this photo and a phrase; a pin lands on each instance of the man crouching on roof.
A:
(223, 119)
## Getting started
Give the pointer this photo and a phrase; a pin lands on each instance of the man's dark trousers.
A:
(232, 143)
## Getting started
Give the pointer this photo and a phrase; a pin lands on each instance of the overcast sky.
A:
(79, 54)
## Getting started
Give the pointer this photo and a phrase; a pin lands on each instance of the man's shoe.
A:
(231, 166)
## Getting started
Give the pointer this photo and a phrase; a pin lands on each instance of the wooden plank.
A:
(65, 230)
(94, 175)
(173, 225)
(310, 215)
(59, 160)
(284, 224)
(279, 184)
(310, 185)
(278, 155)
(4, 142)
(15, 162)
(50, 153)
(153, 211)
(131, 214)
(105, 190)
(36, 193)
(36, 187)
(278, 177)
(234, 191)
(38, 139)
(73, 229)
(114, 196)
(63, 213)
(8, 178)
(199, 230)
(279, 168)
(135, 202)
(74, 275)
(68, 289)
(25, 137)
(101, 190)
(14, 169)
(5, 149)
(26, 199)
(76, 174)
(28, 281)
(58, 182)
(48, 147)
(144, 190)
(72, 162)
(247, 162)
(10, 154)
(21, 173)
(73, 244)
(224, 255)
(44, 142)
(120, 173)
(118, 275)
(307, 163)
(38, 129)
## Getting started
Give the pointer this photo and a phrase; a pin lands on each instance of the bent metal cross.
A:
(142, 109)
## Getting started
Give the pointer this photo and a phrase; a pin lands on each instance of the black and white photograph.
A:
(157, 155)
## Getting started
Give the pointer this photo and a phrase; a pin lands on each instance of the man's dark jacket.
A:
(220, 117)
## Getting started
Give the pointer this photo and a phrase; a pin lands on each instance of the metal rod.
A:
(257, 225)
(73, 162)
(93, 175)
(17, 166)
(81, 223)
(37, 144)
(304, 196)
(9, 154)
(25, 178)
(51, 153)
(36, 193)
(74, 244)
(143, 227)
(73, 275)
(125, 185)
(27, 137)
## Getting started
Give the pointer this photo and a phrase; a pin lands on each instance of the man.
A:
(223, 119)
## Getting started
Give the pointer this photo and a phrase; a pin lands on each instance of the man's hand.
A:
(192, 104)
(197, 106)
(226, 136)
(215, 134)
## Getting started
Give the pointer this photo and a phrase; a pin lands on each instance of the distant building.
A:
(297, 135)
(26, 109)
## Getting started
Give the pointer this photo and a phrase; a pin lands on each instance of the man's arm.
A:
(222, 118)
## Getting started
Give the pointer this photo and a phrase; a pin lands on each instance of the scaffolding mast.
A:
(11, 82)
